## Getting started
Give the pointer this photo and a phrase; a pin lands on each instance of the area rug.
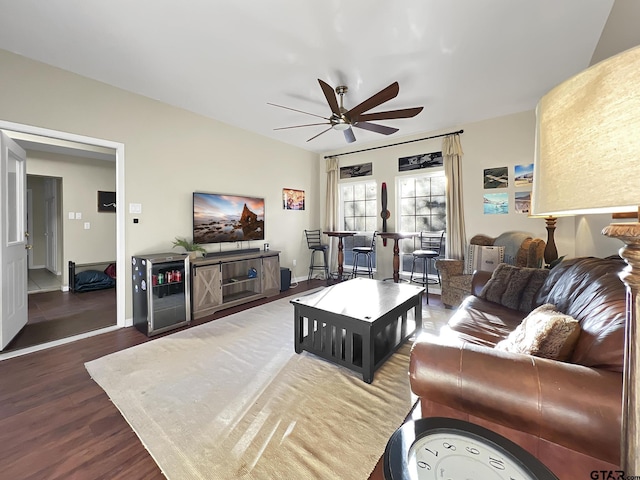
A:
(231, 399)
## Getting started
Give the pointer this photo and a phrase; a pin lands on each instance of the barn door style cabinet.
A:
(225, 281)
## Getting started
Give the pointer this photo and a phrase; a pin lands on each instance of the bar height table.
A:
(340, 234)
(396, 237)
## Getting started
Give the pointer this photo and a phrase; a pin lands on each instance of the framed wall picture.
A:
(496, 177)
(106, 201)
(416, 162)
(362, 170)
(496, 203)
(522, 202)
(523, 175)
(292, 199)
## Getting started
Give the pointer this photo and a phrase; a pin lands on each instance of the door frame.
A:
(51, 253)
(120, 213)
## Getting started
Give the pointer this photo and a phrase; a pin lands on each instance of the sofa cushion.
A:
(482, 322)
(485, 258)
(514, 287)
(545, 332)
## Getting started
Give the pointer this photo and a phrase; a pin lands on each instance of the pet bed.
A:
(91, 276)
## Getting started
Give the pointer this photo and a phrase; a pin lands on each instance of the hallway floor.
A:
(42, 280)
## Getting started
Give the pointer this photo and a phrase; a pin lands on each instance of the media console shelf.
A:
(224, 281)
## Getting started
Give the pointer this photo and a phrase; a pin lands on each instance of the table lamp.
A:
(588, 161)
(550, 249)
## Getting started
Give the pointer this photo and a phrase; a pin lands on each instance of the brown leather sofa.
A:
(525, 251)
(567, 414)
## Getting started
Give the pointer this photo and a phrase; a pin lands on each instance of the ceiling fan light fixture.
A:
(341, 126)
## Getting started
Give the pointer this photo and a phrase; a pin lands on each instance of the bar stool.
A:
(368, 253)
(315, 245)
(431, 244)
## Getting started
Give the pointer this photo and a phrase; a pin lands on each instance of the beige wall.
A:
(169, 153)
(81, 178)
(498, 142)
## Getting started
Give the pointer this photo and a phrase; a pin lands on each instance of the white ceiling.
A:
(463, 60)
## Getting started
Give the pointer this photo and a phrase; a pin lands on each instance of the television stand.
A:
(233, 278)
(240, 251)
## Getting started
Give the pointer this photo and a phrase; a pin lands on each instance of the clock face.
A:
(450, 449)
(456, 455)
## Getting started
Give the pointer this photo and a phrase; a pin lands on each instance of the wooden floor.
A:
(55, 315)
(56, 423)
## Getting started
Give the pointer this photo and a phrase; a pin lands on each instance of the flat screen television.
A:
(227, 218)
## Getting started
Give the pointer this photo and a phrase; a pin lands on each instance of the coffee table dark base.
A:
(362, 346)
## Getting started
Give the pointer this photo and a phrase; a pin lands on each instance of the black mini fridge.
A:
(161, 292)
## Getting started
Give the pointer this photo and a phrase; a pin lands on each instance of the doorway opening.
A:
(35, 138)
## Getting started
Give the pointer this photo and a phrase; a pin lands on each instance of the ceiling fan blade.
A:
(403, 113)
(306, 125)
(316, 136)
(374, 127)
(330, 96)
(349, 136)
(295, 110)
(379, 98)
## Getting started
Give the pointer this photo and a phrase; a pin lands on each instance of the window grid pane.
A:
(359, 209)
(422, 205)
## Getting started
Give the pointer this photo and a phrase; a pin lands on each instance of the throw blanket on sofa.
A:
(514, 287)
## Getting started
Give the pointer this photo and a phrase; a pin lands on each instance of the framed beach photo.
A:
(523, 175)
(496, 203)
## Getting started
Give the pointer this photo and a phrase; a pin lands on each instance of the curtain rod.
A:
(395, 144)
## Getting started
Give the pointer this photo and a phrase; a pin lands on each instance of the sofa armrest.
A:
(478, 281)
(534, 395)
(449, 267)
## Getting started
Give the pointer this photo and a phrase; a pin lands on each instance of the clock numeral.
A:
(448, 446)
(496, 463)
(435, 454)
(472, 450)
(424, 465)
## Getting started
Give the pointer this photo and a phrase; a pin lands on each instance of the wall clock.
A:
(451, 449)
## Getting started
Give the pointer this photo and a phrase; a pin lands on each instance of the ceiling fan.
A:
(342, 119)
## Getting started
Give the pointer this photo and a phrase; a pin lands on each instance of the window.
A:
(422, 208)
(359, 212)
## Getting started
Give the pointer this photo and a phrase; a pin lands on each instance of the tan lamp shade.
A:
(588, 141)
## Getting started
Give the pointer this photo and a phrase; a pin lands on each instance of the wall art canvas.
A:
(362, 170)
(522, 202)
(416, 162)
(496, 177)
(496, 203)
(292, 199)
(106, 201)
(523, 175)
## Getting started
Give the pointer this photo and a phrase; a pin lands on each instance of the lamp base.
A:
(629, 233)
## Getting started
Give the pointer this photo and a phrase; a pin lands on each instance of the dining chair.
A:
(316, 246)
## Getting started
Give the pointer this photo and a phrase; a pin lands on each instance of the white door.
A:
(51, 225)
(13, 239)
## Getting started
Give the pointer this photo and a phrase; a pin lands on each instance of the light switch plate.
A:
(78, 215)
(87, 225)
(135, 208)
(72, 215)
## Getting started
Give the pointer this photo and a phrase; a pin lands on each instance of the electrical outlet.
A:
(294, 262)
